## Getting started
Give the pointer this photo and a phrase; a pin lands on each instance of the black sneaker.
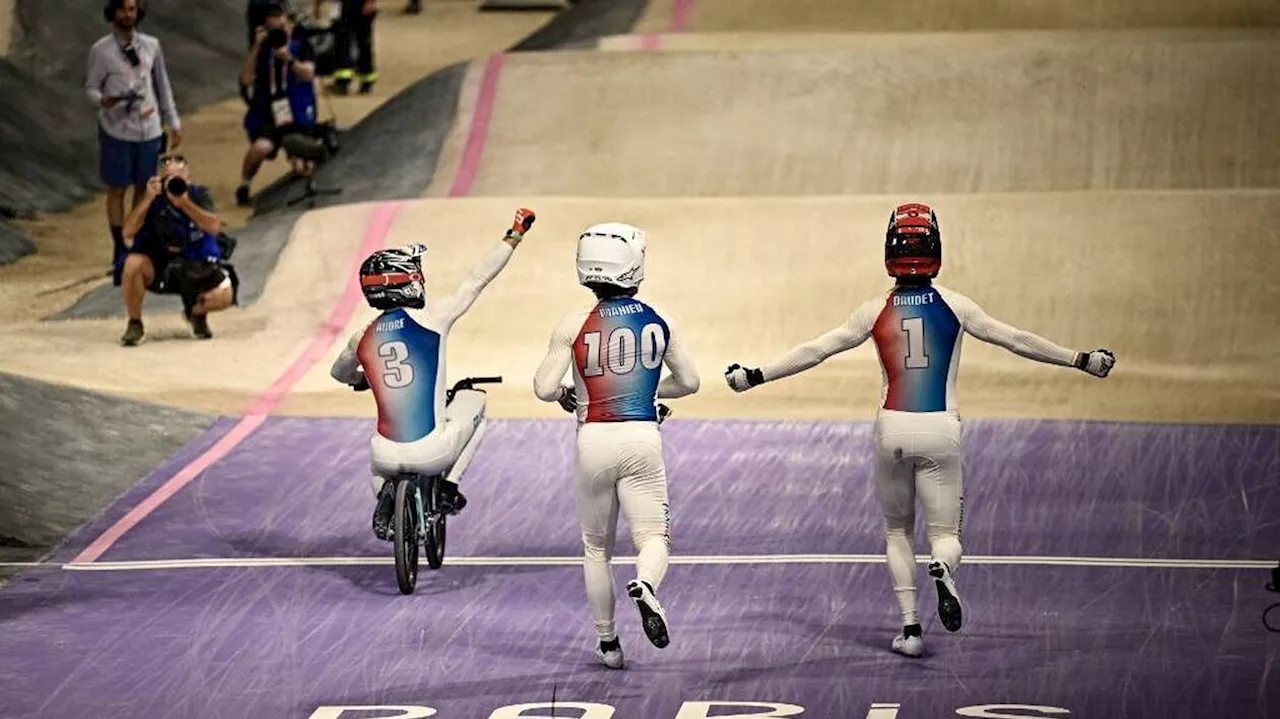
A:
(200, 327)
(242, 196)
(452, 500)
(133, 334)
(366, 88)
(382, 513)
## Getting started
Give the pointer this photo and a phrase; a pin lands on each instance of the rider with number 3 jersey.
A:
(400, 356)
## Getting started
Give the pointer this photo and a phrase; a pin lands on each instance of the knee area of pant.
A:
(899, 527)
(596, 548)
(644, 538)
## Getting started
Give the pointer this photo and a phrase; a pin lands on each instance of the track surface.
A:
(756, 616)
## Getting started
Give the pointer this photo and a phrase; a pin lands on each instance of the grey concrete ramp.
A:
(953, 113)
(68, 453)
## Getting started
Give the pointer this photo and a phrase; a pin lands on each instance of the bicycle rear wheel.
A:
(434, 540)
(405, 528)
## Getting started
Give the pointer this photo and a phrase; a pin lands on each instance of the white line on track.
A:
(119, 566)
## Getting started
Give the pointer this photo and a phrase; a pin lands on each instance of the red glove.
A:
(523, 221)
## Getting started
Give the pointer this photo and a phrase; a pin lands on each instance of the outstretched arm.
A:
(852, 333)
(683, 380)
(449, 309)
(546, 381)
(1026, 344)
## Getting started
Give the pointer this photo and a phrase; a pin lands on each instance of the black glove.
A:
(568, 399)
(741, 378)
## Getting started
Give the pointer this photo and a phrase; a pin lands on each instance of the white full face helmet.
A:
(612, 253)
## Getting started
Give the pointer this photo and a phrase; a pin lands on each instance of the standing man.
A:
(617, 350)
(917, 327)
(128, 83)
(356, 27)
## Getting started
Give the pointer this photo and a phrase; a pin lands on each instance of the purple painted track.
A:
(281, 642)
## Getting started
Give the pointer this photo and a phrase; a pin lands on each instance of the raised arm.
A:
(683, 380)
(547, 380)
(449, 309)
(1023, 343)
(852, 333)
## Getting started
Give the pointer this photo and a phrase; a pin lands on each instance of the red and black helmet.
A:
(913, 243)
(392, 278)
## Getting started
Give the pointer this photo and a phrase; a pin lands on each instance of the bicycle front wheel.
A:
(435, 535)
(405, 528)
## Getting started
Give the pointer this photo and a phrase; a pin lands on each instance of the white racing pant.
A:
(619, 466)
(917, 456)
(447, 450)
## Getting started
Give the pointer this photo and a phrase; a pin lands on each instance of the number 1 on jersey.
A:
(916, 357)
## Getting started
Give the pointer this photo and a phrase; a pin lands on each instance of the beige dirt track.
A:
(1102, 189)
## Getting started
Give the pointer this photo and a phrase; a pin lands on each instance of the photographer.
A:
(129, 85)
(173, 245)
(277, 82)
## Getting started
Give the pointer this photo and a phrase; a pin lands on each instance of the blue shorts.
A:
(122, 163)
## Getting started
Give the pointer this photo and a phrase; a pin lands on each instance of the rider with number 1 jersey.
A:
(917, 328)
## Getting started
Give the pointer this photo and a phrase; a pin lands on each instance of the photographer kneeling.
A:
(278, 83)
(173, 248)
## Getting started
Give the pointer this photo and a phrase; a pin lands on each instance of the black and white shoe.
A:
(382, 513)
(451, 498)
(651, 614)
(949, 610)
(610, 653)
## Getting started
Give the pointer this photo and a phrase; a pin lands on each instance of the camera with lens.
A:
(175, 186)
(277, 38)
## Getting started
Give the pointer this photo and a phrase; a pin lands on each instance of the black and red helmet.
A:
(913, 243)
(392, 278)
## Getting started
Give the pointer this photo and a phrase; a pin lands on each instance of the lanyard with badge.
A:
(135, 92)
(281, 111)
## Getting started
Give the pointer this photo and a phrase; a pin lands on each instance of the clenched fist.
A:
(1097, 363)
(522, 222)
(741, 379)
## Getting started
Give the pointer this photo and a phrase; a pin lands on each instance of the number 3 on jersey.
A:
(394, 356)
(620, 350)
(916, 357)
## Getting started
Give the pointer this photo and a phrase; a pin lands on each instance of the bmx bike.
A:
(422, 510)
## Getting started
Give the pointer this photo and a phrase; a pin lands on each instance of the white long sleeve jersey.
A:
(917, 331)
(617, 351)
(402, 355)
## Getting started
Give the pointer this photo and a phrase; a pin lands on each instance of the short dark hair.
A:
(607, 291)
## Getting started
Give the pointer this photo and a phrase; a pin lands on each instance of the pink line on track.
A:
(680, 15)
(375, 234)
(480, 119)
